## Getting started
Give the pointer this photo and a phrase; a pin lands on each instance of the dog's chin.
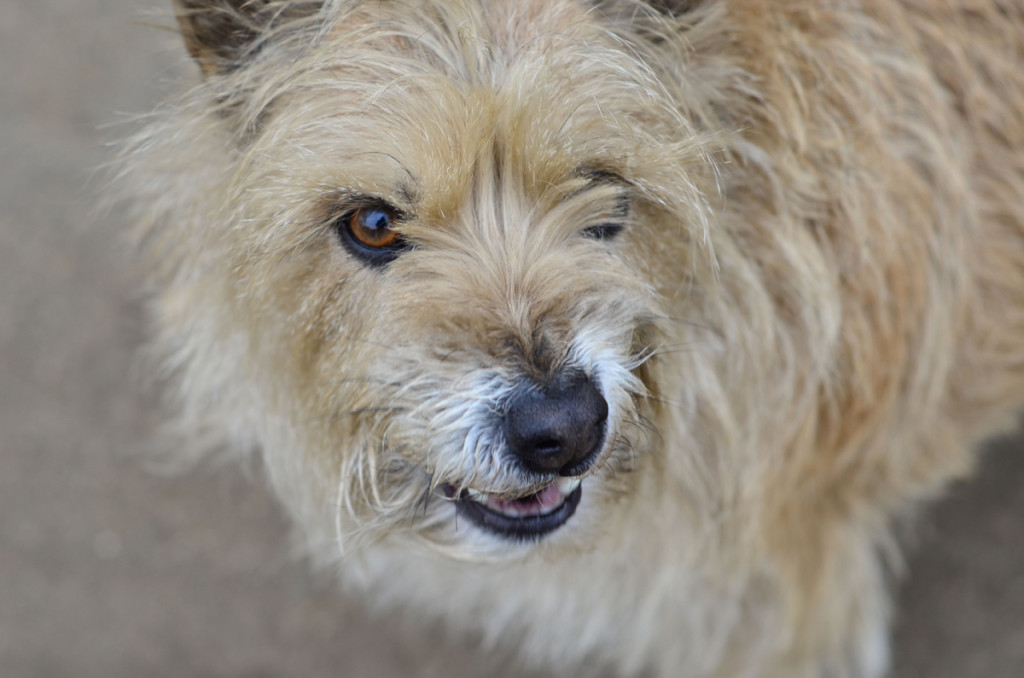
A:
(527, 518)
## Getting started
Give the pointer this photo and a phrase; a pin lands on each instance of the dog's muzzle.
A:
(555, 430)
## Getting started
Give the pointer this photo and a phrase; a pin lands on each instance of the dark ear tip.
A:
(220, 34)
(215, 35)
(674, 7)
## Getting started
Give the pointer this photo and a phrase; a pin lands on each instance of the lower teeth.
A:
(529, 505)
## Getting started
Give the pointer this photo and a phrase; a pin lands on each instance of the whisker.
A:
(685, 321)
(662, 400)
(367, 410)
(673, 349)
(646, 425)
(427, 494)
(359, 380)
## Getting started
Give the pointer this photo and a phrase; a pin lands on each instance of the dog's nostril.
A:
(548, 447)
(557, 429)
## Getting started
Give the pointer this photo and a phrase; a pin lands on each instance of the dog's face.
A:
(449, 233)
(465, 273)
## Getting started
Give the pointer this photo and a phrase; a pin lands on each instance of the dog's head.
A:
(428, 254)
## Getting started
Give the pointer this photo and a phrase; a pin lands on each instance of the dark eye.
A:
(616, 219)
(368, 233)
(602, 231)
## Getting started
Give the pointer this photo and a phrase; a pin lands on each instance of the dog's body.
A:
(753, 271)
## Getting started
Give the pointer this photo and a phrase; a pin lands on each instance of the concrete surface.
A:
(107, 569)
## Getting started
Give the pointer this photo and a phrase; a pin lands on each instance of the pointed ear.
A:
(221, 34)
(674, 7)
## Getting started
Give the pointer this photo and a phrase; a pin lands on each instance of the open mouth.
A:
(529, 517)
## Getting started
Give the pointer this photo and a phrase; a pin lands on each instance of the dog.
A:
(625, 335)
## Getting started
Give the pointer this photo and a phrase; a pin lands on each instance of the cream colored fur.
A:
(814, 313)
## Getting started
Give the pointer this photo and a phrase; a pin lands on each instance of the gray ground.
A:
(107, 569)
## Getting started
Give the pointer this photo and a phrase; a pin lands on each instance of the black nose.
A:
(558, 428)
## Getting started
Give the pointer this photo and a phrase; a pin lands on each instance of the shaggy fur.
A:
(786, 239)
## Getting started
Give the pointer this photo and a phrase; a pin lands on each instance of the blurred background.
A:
(110, 569)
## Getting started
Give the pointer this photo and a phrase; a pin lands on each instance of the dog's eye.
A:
(615, 219)
(602, 231)
(368, 232)
(373, 227)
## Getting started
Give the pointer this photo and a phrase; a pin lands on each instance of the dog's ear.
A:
(674, 7)
(222, 34)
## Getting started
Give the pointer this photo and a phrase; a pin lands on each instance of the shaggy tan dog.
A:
(618, 333)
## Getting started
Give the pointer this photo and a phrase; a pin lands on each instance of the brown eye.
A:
(373, 227)
(368, 233)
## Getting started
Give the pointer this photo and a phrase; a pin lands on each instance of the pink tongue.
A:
(544, 501)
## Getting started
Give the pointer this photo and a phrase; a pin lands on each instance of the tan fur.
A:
(813, 314)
